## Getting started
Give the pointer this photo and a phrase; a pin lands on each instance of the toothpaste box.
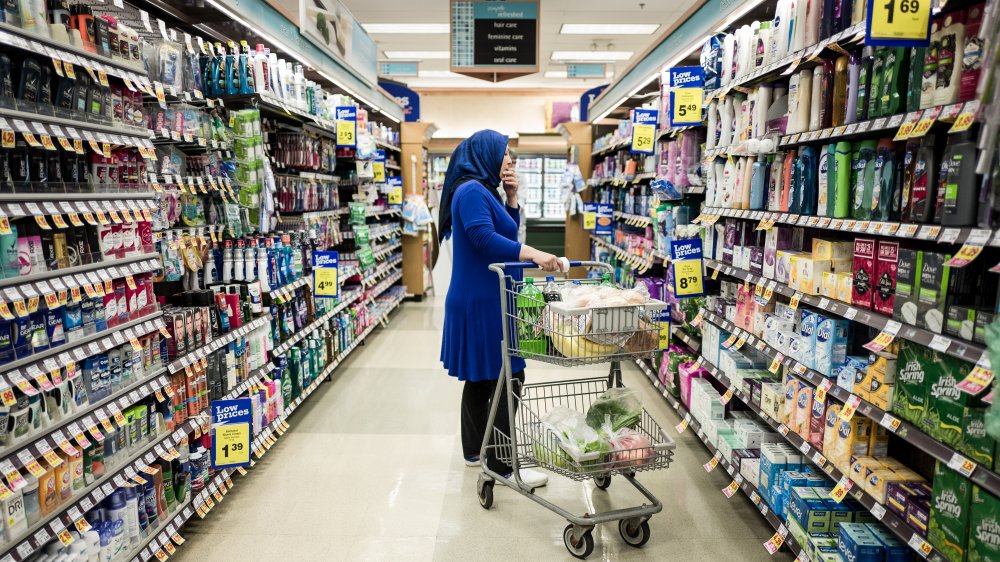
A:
(823, 249)
(864, 272)
(817, 423)
(948, 528)
(856, 544)
(831, 344)
(984, 527)
(895, 549)
(886, 266)
(908, 267)
(933, 291)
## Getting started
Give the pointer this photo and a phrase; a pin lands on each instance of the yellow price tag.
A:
(65, 537)
(839, 491)
(65, 144)
(5, 225)
(378, 168)
(232, 444)
(926, 120)
(346, 131)
(7, 139)
(687, 106)
(643, 137)
(965, 255)
(688, 277)
(966, 118)
(589, 220)
(395, 195)
(775, 363)
(900, 20)
(326, 283)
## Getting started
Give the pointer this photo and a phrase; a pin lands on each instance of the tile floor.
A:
(372, 470)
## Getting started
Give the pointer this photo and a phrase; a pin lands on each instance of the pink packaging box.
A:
(817, 423)
(886, 264)
(864, 272)
(685, 373)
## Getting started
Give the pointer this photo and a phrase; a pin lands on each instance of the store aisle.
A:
(372, 470)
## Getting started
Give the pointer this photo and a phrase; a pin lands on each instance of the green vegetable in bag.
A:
(621, 405)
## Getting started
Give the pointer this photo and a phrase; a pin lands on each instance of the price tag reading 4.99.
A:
(899, 23)
(688, 270)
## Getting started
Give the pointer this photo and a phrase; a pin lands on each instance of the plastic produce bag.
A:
(621, 405)
(628, 447)
(580, 441)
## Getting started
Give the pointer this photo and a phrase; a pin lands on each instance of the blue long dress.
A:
(484, 232)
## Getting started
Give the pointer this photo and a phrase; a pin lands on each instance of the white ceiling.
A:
(554, 13)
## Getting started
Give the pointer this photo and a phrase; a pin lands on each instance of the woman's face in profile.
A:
(507, 162)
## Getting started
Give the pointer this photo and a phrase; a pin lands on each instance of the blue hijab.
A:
(477, 158)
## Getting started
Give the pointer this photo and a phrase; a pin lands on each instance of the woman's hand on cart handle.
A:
(544, 260)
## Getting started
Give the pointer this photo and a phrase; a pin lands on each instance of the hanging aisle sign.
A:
(686, 94)
(325, 275)
(395, 190)
(494, 40)
(231, 433)
(898, 23)
(643, 130)
(589, 216)
(347, 126)
(685, 259)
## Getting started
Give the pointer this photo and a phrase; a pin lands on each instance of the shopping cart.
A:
(558, 334)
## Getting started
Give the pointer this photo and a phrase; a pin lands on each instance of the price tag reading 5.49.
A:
(899, 23)
(686, 95)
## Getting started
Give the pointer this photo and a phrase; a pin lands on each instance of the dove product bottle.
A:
(883, 182)
(823, 199)
(841, 180)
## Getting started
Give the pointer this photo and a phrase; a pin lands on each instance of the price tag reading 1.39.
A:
(231, 433)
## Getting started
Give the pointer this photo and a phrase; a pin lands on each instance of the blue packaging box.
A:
(895, 549)
(831, 344)
(856, 543)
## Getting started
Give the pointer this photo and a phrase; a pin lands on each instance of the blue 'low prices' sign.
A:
(231, 421)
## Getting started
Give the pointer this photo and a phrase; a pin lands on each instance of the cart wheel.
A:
(602, 481)
(486, 494)
(634, 534)
(582, 547)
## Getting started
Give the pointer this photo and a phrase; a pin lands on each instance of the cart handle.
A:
(500, 267)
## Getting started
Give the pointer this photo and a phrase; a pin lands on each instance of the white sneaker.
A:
(533, 478)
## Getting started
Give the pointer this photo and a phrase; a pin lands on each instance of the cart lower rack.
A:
(570, 336)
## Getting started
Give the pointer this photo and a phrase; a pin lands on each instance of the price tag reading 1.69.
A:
(898, 22)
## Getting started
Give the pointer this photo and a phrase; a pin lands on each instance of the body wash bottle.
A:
(894, 81)
(816, 103)
(839, 91)
(915, 77)
(863, 180)
(884, 182)
(842, 174)
(949, 68)
(928, 84)
(823, 199)
(807, 166)
(864, 82)
(875, 85)
(853, 85)
(961, 191)
(923, 183)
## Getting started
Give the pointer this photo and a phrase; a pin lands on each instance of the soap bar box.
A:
(886, 267)
(864, 272)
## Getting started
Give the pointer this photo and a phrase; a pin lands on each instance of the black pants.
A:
(476, 398)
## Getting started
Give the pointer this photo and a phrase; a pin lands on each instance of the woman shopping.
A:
(485, 232)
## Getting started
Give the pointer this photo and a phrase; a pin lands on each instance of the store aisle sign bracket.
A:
(686, 261)
(326, 283)
(347, 126)
(686, 94)
(898, 23)
(644, 130)
(231, 433)
(494, 41)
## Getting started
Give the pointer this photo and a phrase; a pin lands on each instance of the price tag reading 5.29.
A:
(644, 130)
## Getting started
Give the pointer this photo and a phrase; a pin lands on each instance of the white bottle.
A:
(747, 179)
(712, 133)
(823, 180)
(760, 110)
(950, 52)
(803, 101)
(799, 25)
(815, 103)
(260, 79)
(272, 73)
(814, 10)
(793, 104)
(708, 171)
(779, 31)
(729, 184)
(743, 120)
(763, 53)
(726, 121)
(728, 46)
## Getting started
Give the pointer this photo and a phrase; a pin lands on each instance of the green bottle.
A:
(606, 280)
(874, 105)
(840, 181)
(530, 303)
(894, 80)
(863, 179)
(914, 80)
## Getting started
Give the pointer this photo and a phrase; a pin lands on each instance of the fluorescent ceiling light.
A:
(406, 27)
(591, 55)
(418, 55)
(438, 74)
(608, 28)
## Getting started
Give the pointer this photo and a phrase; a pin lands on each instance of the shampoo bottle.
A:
(779, 30)
(759, 183)
(864, 82)
(728, 47)
(853, 85)
(949, 69)
(804, 98)
(840, 187)
(914, 78)
(807, 166)
(775, 182)
(839, 91)
(894, 81)
(712, 130)
(823, 199)
(747, 184)
(928, 84)
(816, 103)
(884, 182)
(961, 191)
(762, 52)
(786, 181)
(863, 179)
(726, 121)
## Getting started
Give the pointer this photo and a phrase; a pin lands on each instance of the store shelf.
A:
(888, 124)
(49, 204)
(49, 526)
(187, 141)
(381, 252)
(299, 335)
(613, 147)
(748, 489)
(82, 348)
(387, 146)
(183, 362)
(74, 127)
(34, 447)
(906, 431)
(370, 278)
(288, 289)
(633, 220)
(683, 336)
(640, 263)
(64, 279)
(912, 231)
(619, 181)
(11, 35)
(961, 349)
(382, 211)
(377, 232)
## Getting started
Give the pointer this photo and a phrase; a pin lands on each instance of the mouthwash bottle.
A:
(530, 303)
